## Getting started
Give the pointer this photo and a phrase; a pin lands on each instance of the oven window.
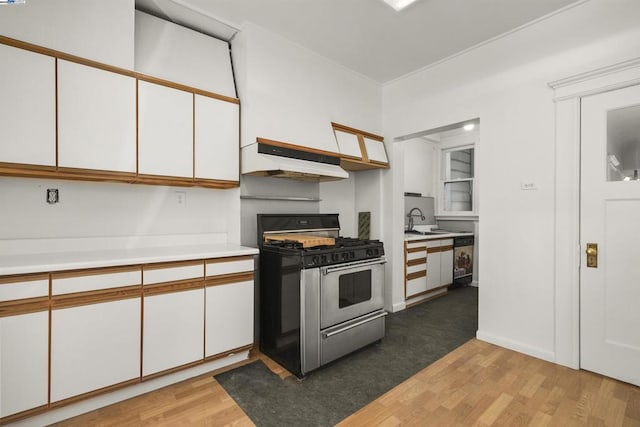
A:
(354, 288)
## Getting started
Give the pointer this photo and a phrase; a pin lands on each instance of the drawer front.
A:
(93, 280)
(422, 253)
(416, 268)
(223, 266)
(416, 286)
(24, 287)
(416, 244)
(172, 272)
(446, 242)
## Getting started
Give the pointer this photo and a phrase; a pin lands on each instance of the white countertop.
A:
(47, 262)
(409, 237)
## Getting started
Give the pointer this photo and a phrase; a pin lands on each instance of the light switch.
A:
(528, 185)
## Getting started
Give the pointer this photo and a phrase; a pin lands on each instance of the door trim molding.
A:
(568, 93)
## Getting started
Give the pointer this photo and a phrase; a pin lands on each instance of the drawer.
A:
(93, 280)
(416, 268)
(221, 266)
(22, 287)
(422, 253)
(416, 244)
(416, 286)
(171, 272)
(446, 242)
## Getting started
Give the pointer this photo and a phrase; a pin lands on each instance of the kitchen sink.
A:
(426, 233)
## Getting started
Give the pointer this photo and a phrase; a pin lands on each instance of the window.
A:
(457, 182)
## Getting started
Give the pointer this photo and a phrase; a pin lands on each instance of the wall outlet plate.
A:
(528, 185)
(53, 196)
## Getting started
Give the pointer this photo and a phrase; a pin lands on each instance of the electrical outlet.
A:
(53, 196)
(528, 185)
(181, 198)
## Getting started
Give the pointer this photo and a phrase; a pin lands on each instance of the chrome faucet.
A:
(411, 215)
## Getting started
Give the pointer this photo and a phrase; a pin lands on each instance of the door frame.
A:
(568, 93)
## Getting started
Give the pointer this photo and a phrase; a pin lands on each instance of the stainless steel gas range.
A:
(321, 295)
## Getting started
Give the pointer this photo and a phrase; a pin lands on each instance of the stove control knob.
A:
(369, 252)
(314, 260)
(335, 256)
(352, 255)
(345, 255)
(324, 259)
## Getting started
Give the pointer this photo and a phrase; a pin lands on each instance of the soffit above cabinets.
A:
(360, 150)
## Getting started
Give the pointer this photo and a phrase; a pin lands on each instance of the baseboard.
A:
(474, 284)
(520, 347)
(84, 406)
(399, 306)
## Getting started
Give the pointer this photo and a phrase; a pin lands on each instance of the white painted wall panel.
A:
(175, 53)
(95, 29)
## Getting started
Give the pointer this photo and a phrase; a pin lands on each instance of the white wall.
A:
(291, 94)
(90, 209)
(504, 83)
(95, 29)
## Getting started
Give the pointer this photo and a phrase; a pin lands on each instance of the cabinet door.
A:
(446, 262)
(348, 144)
(94, 346)
(217, 139)
(165, 131)
(96, 119)
(24, 357)
(433, 264)
(229, 317)
(375, 150)
(173, 330)
(24, 343)
(28, 105)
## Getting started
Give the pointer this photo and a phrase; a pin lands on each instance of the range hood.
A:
(282, 160)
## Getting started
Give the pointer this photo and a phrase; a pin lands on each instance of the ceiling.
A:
(367, 36)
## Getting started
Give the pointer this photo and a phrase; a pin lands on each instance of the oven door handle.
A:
(353, 325)
(327, 270)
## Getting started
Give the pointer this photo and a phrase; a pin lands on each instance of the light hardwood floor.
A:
(476, 384)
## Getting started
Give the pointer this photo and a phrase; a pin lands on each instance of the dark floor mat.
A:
(415, 338)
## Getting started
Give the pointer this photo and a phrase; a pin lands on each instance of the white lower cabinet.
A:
(433, 264)
(446, 263)
(229, 317)
(94, 346)
(173, 330)
(24, 356)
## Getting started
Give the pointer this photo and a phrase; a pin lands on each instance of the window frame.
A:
(444, 169)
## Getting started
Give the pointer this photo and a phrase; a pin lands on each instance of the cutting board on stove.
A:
(308, 241)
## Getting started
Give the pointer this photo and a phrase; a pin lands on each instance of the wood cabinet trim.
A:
(94, 271)
(24, 306)
(92, 393)
(433, 250)
(78, 299)
(248, 347)
(344, 128)
(297, 147)
(428, 291)
(172, 370)
(417, 249)
(417, 261)
(172, 287)
(17, 278)
(24, 414)
(229, 259)
(172, 264)
(446, 248)
(416, 274)
(225, 279)
(363, 149)
(185, 88)
(358, 165)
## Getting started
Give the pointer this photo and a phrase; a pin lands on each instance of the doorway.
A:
(609, 231)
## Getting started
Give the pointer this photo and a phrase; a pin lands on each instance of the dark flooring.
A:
(415, 338)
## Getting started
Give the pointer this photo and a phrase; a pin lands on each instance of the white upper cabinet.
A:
(375, 150)
(28, 103)
(165, 131)
(96, 118)
(217, 139)
(348, 144)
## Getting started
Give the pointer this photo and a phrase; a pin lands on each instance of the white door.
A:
(610, 208)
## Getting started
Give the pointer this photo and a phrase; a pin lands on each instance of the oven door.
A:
(351, 290)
